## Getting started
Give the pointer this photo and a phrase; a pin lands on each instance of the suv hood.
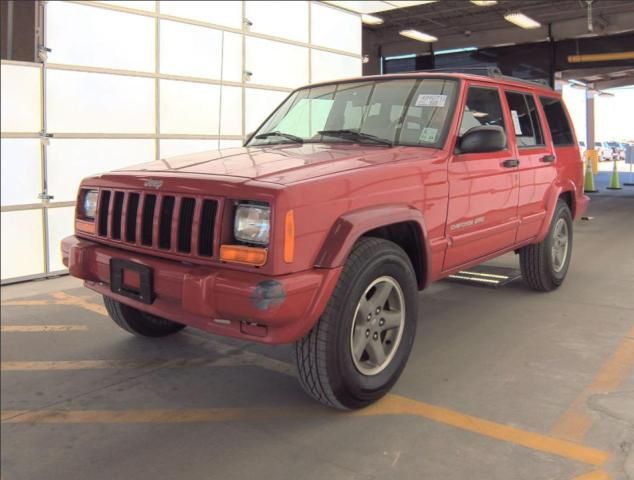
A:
(285, 163)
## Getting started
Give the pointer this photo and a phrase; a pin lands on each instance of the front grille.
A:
(179, 224)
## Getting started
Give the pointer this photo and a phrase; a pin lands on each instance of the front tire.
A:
(359, 347)
(544, 265)
(140, 323)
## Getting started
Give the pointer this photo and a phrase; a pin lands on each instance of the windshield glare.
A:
(402, 112)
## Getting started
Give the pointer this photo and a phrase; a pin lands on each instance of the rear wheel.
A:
(359, 347)
(138, 322)
(544, 265)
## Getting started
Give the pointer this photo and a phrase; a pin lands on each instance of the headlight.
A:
(252, 224)
(89, 204)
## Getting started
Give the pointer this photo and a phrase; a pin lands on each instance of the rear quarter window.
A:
(557, 121)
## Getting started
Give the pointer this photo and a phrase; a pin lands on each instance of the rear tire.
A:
(140, 323)
(361, 343)
(544, 265)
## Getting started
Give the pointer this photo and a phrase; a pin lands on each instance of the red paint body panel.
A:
(466, 208)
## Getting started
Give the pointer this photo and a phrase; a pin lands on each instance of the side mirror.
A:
(486, 138)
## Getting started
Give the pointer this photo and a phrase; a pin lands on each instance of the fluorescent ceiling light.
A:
(419, 36)
(371, 19)
(521, 20)
(484, 3)
(455, 50)
(400, 57)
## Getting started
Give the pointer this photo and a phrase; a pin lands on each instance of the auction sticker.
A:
(429, 100)
(429, 134)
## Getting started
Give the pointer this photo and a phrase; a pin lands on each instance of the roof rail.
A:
(489, 71)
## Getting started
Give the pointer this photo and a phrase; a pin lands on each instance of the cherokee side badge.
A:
(153, 183)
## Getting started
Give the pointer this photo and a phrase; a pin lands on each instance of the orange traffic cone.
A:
(614, 181)
(588, 185)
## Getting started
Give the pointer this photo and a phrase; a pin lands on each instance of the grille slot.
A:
(185, 224)
(104, 205)
(147, 219)
(117, 210)
(206, 228)
(165, 222)
(131, 214)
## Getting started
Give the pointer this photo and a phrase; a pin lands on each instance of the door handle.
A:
(548, 158)
(510, 163)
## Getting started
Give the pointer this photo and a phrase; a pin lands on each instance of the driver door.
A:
(482, 216)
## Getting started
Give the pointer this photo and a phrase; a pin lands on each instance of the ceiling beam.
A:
(614, 83)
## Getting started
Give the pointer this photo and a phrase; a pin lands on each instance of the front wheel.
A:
(140, 323)
(359, 347)
(545, 265)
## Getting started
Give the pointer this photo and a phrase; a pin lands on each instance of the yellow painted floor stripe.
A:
(101, 364)
(575, 423)
(594, 475)
(390, 405)
(25, 303)
(42, 328)
(397, 405)
(63, 298)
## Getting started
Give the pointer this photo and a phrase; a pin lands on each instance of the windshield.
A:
(382, 112)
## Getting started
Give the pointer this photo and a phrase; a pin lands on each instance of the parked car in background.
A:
(582, 148)
(604, 149)
(618, 151)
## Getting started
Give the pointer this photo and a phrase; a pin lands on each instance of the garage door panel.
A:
(22, 244)
(145, 5)
(21, 170)
(231, 119)
(190, 50)
(20, 99)
(60, 225)
(275, 63)
(80, 102)
(225, 13)
(174, 147)
(259, 105)
(331, 66)
(281, 19)
(91, 42)
(71, 160)
(336, 29)
(189, 108)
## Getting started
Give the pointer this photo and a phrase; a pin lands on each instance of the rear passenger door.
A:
(483, 187)
(537, 161)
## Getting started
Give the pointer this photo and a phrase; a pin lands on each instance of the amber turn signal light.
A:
(241, 254)
(85, 227)
(289, 237)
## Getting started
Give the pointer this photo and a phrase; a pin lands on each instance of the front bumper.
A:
(238, 304)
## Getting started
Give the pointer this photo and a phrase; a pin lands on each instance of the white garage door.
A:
(130, 81)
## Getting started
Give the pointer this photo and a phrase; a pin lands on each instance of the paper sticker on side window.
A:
(428, 100)
(516, 123)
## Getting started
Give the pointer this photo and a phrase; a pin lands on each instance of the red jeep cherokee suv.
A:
(349, 199)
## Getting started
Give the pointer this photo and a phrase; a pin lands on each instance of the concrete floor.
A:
(502, 384)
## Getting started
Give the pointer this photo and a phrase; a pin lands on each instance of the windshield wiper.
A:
(277, 133)
(355, 135)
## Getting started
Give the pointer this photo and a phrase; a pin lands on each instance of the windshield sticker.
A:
(429, 134)
(428, 100)
(516, 122)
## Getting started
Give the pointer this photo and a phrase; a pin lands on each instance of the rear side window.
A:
(483, 107)
(557, 121)
(528, 130)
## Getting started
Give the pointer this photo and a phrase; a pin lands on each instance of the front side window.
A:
(483, 107)
(557, 121)
(399, 112)
(528, 131)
